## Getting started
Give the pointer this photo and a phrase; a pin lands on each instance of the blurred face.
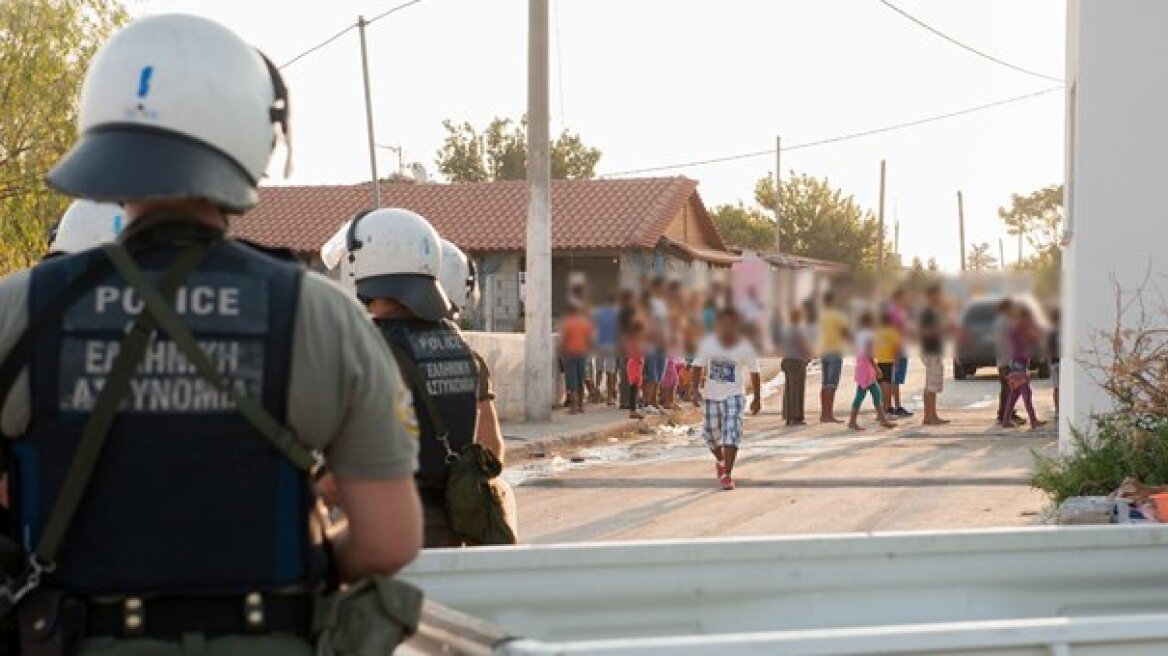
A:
(727, 329)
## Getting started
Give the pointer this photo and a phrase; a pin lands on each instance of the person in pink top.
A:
(867, 376)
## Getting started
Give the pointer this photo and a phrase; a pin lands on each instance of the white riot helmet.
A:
(175, 106)
(459, 278)
(395, 253)
(86, 224)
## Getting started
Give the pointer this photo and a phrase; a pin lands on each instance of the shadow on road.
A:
(622, 520)
(661, 483)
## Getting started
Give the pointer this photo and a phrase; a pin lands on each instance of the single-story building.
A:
(609, 234)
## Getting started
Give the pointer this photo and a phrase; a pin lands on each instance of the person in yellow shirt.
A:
(834, 334)
(885, 350)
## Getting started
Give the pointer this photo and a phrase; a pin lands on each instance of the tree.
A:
(744, 227)
(45, 48)
(499, 152)
(821, 221)
(1038, 217)
(980, 259)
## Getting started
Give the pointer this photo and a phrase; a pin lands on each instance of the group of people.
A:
(882, 357)
(650, 352)
(177, 400)
(636, 349)
(879, 342)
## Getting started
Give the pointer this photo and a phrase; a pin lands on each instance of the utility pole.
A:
(369, 114)
(537, 372)
(880, 243)
(1001, 254)
(961, 227)
(778, 194)
(896, 226)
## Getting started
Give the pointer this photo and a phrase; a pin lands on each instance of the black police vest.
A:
(447, 366)
(186, 498)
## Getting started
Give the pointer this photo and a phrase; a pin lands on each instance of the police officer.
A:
(460, 282)
(395, 258)
(192, 531)
(459, 279)
(84, 225)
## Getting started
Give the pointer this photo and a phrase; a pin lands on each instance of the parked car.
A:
(975, 337)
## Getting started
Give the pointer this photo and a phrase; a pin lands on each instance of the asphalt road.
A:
(810, 479)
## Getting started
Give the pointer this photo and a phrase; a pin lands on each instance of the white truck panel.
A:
(748, 594)
(1125, 635)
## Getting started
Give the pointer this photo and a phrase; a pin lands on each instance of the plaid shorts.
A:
(723, 421)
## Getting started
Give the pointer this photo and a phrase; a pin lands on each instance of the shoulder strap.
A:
(418, 386)
(280, 436)
(97, 427)
(22, 349)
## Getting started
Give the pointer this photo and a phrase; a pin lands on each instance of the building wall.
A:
(600, 273)
(687, 228)
(639, 265)
(499, 292)
(1117, 156)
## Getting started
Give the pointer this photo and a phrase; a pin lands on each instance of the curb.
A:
(587, 436)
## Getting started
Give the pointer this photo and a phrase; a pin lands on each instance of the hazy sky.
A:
(657, 82)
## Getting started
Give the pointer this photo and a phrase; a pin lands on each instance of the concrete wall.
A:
(504, 355)
(1117, 157)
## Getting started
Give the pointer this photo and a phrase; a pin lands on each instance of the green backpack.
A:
(474, 493)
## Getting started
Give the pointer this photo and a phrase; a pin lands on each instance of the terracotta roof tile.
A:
(481, 216)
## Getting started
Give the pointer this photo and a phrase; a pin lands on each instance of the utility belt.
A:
(54, 623)
(372, 616)
(168, 618)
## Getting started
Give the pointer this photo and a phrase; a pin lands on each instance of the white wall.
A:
(1117, 167)
(504, 353)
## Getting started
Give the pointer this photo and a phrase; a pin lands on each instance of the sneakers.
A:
(727, 483)
(901, 412)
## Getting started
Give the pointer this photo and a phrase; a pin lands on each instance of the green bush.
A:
(1120, 446)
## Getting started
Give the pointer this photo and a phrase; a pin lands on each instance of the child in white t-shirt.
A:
(726, 359)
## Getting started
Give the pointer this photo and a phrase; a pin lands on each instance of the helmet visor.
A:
(119, 163)
(420, 293)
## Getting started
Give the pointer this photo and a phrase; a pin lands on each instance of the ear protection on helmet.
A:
(281, 110)
(352, 245)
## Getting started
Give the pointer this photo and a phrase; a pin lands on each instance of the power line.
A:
(391, 10)
(345, 31)
(318, 46)
(839, 138)
(967, 47)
